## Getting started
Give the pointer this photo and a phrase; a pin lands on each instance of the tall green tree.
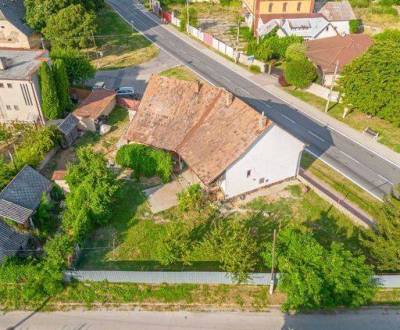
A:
(72, 26)
(50, 104)
(76, 63)
(383, 243)
(62, 84)
(315, 278)
(299, 72)
(371, 82)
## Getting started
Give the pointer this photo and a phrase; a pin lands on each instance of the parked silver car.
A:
(125, 91)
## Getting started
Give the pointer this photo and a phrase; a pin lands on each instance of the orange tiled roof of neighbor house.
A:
(207, 126)
(59, 175)
(326, 52)
(93, 106)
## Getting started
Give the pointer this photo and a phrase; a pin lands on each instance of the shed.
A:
(21, 197)
(99, 103)
(59, 178)
(11, 241)
(69, 130)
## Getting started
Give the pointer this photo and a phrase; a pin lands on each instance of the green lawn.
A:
(181, 73)
(389, 134)
(120, 44)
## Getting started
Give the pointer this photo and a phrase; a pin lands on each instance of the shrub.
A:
(48, 90)
(355, 26)
(282, 81)
(296, 51)
(360, 3)
(192, 198)
(255, 68)
(145, 161)
(62, 84)
(300, 73)
(314, 277)
(76, 63)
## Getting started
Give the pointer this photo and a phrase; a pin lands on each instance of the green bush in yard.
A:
(145, 161)
(76, 63)
(314, 277)
(62, 84)
(191, 199)
(193, 19)
(300, 72)
(355, 25)
(48, 90)
(296, 51)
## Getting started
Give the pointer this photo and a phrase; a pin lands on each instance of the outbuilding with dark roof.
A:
(21, 197)
(11, 241)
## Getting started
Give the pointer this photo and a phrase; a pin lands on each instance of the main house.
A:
(14, 32)
(19, 85)
(225, 142)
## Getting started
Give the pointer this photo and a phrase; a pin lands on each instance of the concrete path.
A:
(136, 76)
(370, 319)
(366, 165)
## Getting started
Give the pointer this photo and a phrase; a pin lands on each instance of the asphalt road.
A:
(363, 166)
(272, 320)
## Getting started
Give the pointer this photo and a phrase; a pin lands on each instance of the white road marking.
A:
(287, 118)
(316, 136)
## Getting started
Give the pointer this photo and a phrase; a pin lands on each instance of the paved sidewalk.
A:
(270, 84)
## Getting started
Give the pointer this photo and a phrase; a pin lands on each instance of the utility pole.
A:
(94, 41)
(133, 28)
(272, 281)
(42, 42)
(187, 16)
(331, 89)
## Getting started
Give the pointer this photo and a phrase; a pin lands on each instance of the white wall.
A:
(342, 27)
(274, 157)
(20, 101)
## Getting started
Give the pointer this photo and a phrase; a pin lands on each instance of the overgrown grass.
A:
(351, 191)
(387, 297)
(121, 45)
(389, 134)
(181, 73)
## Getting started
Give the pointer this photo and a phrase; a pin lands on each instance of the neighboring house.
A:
(257, 8)
(19, 86)
(307, 26)
(11, 241)
(59, 178)
(99, 103)
(14, 32)
(225, 142)
(339, 14)
(338, 51)
(21, 197)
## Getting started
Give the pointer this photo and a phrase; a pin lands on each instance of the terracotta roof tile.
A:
(326, 52)
(205, 125)
(95, 103)
(59, 175)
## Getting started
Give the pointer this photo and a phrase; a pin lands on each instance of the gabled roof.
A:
(93, 106)
(20, 198)
(14, 12)
(326, 52)
(68, 124)
(207, 126)
(10, 241)
(338, 11)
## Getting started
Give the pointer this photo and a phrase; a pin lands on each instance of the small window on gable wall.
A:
(284, 7)
(248, 173)
(298, 6)
(9, 85)
(270, 7)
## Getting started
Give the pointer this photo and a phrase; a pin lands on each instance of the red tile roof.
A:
(207, 126)
(93, 106)
(59, 175)
(326, 52)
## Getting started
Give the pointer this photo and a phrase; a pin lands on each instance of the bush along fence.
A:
(210, 278)
(212, 42)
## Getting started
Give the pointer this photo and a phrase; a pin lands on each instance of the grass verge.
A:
(120, 44)
(389, 134)
(181, 73)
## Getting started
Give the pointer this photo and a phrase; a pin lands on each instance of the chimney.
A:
(3, 63)
(262, 121)
(228, 99)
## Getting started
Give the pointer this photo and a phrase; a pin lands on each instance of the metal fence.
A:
(385, 281)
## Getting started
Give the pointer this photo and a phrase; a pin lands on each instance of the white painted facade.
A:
(20, 100)
(273, 158)
(342, 27)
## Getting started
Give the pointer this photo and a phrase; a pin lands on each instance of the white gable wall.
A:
(342, 27)
(273, 158)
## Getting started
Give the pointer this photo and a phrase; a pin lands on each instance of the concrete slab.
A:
(163, 197)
